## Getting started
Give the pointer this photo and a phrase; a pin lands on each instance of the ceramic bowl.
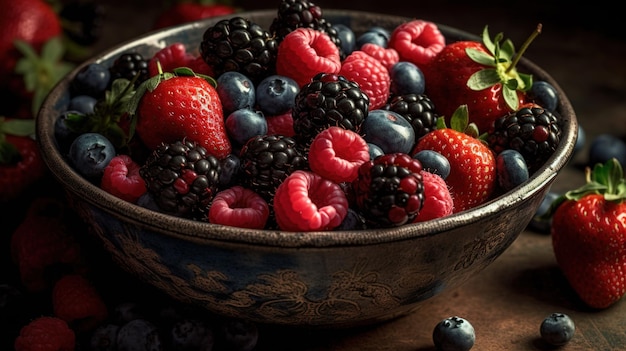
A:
(308, 279)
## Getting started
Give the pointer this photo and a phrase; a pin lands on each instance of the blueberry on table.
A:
(557, 329)
(605, 147)
(454, 334)
(538, 223)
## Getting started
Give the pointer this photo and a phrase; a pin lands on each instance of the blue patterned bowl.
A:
(309, 279)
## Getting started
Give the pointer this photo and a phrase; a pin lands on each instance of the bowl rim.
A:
(202, 232)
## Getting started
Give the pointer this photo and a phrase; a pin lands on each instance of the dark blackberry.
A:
(183, 178)
(266, 161)
(533, 131)
(237, 44)
(293, 14)
(418, 109)
(389, 190)
(128, 65)
(328, 100)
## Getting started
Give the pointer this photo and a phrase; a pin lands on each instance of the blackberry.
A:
(389, 190)
(266, 161)
(418, 109)
(328, 100)
(128, 65)
(293, 14)
(533, 131)
(237, 44)
(183, 178)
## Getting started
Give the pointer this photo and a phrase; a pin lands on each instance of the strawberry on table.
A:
(589, 235)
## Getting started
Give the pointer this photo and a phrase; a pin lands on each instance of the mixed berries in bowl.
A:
(304, 167)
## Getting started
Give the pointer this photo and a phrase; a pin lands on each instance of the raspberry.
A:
(42, 245)
(370, 74)
(76, 301)
(336, 154)
(281, 124)
(387, 56)
(46, 334)
(417, 41)
(121, 178)
(305, 52)
(437, 199)
(170, 57)
(306, 201)
(240, 207)
(199, 66)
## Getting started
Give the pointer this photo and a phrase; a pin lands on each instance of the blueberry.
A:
(90, 153)
(407, 78)
(229, 171)
(389, 130)
(347, 38)
(557, 329)
(192, 334)
(63, 134)
(138, 334)
(104, 338)
(434, 162)
(352, 221)
(511, 169)
(605, 147)
(238, 335)
(276, 94)
(374, 150)
(92, 80)
(544, 94)
(83, 103)
(236, 91)
(454, 334)
(147, 201)
(581, 139)
(539, 224)
(374, 35)
(243, 124)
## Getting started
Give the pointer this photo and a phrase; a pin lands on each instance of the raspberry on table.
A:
(76, 301)
(336, 154)
(46, 333)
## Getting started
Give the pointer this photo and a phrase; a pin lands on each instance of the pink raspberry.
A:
(170, 57)
(370, 74)
(387, 56)
(305, 201)
(305, 52)
(239, 207)
(437, 199)
(121, 178)
(281, 124)
(417, 41)
(336, 154)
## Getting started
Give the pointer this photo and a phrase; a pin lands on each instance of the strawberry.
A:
(189, 11)
(481, 75)
(21, 164)
(178, 105)
(472, 178)
(589, 235)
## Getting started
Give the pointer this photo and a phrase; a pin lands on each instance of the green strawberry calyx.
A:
(500, 62)
(606, 179)
(9, 154)
(459, 121)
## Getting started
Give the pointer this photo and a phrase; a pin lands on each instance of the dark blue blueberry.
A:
(544, 94)
(605, 147)
(390, 131)
(237, 335)
(406, 78)
(90, 153)
(557, 329)
(580, 140)
(125, 312)
(352, 221)
(63, 135)
(374, 35)
(539, 224)
(276, 95)
(104, 338)
(83, 103)
(243, 124)
(192, 334)
(147, 201)
(347, 38)
(138, 335)
(92, 80)
(374, 150)
(511, 169)
(434, 162)
(236, 91)
(454, 334)
(229, 172)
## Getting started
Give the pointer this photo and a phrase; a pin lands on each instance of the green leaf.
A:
(460, 119)
(17, 127)
(53, 50)
(481, 57)
(507, 51)
(483, 79)
(510, 97)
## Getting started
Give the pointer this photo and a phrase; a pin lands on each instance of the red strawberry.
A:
(21, 164)
(171, 107)
(76, 301)
(183, 12)
(371, 75)
(480, 75)
(589, 235)
(472, 178)
(305, 52)
(46, 334)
